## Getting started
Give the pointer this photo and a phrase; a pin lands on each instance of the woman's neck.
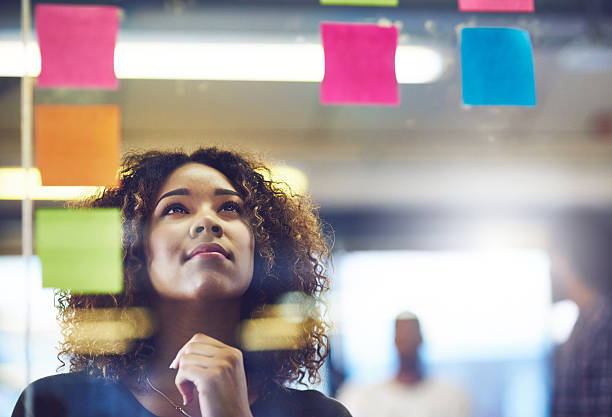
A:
(179, 320)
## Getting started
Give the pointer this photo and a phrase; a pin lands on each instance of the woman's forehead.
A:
(196, 175)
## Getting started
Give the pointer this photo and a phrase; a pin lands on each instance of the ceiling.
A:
(431, 153)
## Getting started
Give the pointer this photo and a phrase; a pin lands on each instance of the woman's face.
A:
(199, 243)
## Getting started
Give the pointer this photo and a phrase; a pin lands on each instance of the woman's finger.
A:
(197, 339)
(194, 371)
(195, 349)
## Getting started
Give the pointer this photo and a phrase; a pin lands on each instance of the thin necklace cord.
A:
(175, 405)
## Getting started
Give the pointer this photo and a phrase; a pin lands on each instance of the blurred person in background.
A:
(209, 244)
(581, 271)
(411, 393)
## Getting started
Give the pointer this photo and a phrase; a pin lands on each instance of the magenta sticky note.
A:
(359, 64)
(516, 6)
(77, 45)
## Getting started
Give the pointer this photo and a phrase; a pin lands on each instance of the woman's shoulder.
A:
(68, 384)
(73, 394)
(68, 379)
(287, 401)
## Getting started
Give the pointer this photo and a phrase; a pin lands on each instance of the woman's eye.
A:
(231, 206)
(174, 209)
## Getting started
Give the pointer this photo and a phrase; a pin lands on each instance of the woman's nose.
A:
(205, 225)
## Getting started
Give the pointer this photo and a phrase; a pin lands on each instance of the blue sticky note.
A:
(497, 67)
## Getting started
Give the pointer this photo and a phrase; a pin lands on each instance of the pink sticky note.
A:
(496, 6)
(359, 64)
(77, 45)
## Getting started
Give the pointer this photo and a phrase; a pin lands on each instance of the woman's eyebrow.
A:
(178, 191)
(185, 191)
(225, 191)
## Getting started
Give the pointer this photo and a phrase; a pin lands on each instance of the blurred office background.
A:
(437, 207)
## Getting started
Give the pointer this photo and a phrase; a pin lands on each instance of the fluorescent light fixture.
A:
(226, 61)
(12, 183)
(13, 59)
(418, 65)
(221, 61)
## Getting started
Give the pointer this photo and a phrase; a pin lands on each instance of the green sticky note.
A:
(80, 250)
(375, 3)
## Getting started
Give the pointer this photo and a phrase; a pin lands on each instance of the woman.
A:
(209, 244)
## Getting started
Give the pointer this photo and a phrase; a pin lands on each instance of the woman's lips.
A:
(205, 250)
(208, 255)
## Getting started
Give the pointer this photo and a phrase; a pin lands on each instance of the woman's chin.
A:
(203, 285)
(204, 290)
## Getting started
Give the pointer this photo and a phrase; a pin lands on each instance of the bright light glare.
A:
(417, 65)
(564, 316)
(472, 305)
(227, 61)
(12, 62)
(45, 331)
(271, 333)
(12, 187)
(504, 235)
(253, 62)
(295, 179)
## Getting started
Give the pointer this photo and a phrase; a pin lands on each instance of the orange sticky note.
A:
(77, 145)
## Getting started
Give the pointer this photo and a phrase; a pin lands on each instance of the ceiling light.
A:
(227, 61)
(13, 184)
(289, 179)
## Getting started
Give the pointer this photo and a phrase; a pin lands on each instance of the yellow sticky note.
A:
(80, 250)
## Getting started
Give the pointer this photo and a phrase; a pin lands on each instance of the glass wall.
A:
(435, 203)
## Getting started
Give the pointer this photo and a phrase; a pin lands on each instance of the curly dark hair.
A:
(291, 255)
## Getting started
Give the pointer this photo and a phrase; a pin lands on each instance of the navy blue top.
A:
(76, 394)
(583, 366)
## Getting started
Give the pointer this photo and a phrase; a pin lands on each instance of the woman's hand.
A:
(216, 371)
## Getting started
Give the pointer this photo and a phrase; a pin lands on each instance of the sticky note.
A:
(359, 64)
(374, 3)
(497, 67)
(516, 6)
(80, 250)
(77, 45)
(77, 145)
